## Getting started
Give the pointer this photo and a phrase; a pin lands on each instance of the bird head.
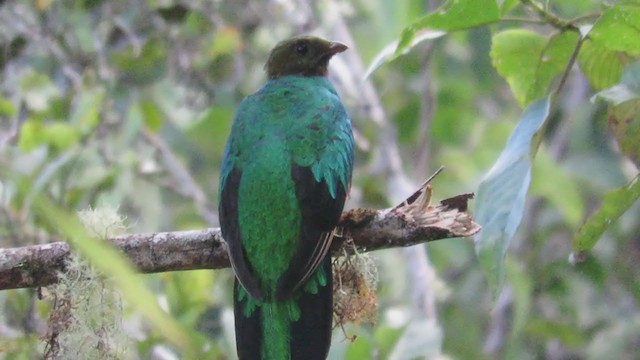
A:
(302, 55)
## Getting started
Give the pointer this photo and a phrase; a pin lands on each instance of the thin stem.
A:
(568, 68)
(548, 16)
(585, 17)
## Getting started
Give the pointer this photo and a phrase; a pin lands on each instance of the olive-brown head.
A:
(302, 55)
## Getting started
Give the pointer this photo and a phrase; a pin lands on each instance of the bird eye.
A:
(302, 48)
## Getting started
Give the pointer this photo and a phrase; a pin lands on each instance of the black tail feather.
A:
(248, 329)
(311, 335)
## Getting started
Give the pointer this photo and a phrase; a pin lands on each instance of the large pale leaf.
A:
(530, 61)
(502, 193)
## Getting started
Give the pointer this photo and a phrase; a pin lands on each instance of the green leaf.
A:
(31, 135)
(628, 89)
(60, 135)
(614, 204)
(87, 109)
(151, 115)
(603, 67)
(617, 29)
(502, 193)
(6, 107)
(225, 41)
(451, 16)
(530, 61)
(507, 5)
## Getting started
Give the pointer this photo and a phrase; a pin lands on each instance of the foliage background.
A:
(126, 105)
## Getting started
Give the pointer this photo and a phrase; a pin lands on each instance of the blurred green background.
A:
(127, 104)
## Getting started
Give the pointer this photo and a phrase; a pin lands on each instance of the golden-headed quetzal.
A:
(285, 175)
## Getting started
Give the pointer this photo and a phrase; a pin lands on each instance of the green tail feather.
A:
(276, 330)
(295, 329)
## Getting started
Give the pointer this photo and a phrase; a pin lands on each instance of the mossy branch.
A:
(412, 222)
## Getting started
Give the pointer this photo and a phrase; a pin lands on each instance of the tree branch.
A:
(412, 222)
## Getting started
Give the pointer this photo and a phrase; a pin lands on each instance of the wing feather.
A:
(231, 233)
(320, 214)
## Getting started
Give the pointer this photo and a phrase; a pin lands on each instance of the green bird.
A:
(285, 176)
